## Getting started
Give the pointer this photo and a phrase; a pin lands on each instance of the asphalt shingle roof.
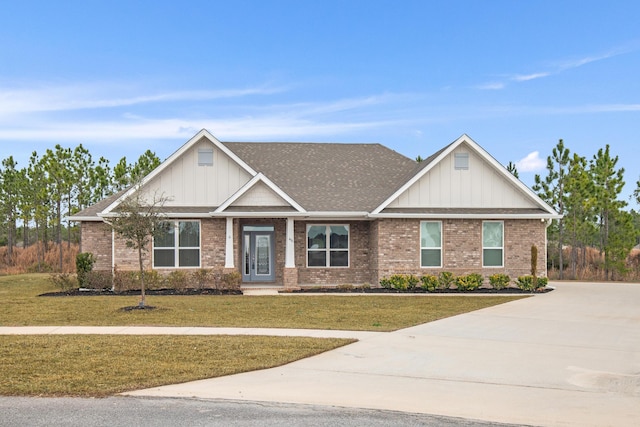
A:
(329, 176)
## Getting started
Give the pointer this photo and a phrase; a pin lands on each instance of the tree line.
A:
(587, 193)
(35, 198)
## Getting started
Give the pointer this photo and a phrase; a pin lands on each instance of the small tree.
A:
(137, 221)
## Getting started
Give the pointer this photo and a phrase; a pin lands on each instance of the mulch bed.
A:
(508, 291)
(185, 292)
(106, 292)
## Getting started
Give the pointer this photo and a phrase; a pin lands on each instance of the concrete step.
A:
(260, 291)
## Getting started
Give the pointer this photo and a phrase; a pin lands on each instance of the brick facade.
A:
(359, 270)
(377, 249)
(398, 248)
(96, 238)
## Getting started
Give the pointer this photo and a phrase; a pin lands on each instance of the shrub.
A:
(385, 283)
(470, 282)
(525, 283)
(499, 280)
(445, 280)
(231, 281)
(84, 264)
(202, 278)
(125, 280)
(153, 279)
(345, 287)
(102, 279)
(178, 280)
(429, 282)
(64, 281)
(412, 281)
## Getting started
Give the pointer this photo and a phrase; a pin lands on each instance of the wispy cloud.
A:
(527, 77)
(554, 69)
(104, 95)
(531, 163)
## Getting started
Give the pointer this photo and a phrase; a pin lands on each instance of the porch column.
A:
(290, 259)
(228, 255)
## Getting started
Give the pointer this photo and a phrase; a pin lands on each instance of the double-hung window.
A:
(177, 244)
(431, 244)
(328, 245)
(492, 244)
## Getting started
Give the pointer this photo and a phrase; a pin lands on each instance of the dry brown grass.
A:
(590, 266)
(25, 260)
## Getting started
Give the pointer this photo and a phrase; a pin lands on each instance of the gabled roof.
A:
(186, 146)
(251, 184)
(328, 180)
(429, 163)
(324, 177)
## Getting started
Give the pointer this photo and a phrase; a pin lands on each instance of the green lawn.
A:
(22, 307)
(98, 365)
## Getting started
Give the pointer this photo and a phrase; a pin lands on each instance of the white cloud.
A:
(527, 77)
(491, 86)
(531, 163)
(105, 95)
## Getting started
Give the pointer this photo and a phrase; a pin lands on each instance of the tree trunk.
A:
(59, 207)
(142, 295)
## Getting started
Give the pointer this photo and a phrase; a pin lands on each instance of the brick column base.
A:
(290, 278)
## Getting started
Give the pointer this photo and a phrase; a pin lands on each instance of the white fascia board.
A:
(486, 156)
(303, 215)
(186, 146)
(83, 219)
(502, 170)
(466, 216)
(420, 174)
(259, 177)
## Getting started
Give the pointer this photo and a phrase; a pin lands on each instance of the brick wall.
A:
(399, 247)
(96, 238)
(359, 270)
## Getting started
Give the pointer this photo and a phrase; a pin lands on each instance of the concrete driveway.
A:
(567, 358)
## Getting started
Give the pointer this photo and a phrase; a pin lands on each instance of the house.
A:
(290, 215)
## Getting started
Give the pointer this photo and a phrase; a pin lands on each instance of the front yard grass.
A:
(100, 365)
(21, 306)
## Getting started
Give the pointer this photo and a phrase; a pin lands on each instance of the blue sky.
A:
(122, 77)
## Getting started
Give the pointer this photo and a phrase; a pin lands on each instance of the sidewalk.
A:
(171, 330)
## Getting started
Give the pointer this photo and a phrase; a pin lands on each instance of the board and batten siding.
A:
(481, 186)
(186, 183)
(260, 195)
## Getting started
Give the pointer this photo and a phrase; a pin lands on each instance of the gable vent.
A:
(205, 157)
(461, 161)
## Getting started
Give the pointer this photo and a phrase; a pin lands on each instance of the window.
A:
(205, 156)
(177, 244)
(492, 243)
(461, 161)
(431, 244)
(328, 245)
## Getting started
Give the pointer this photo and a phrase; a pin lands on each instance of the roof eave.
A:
(466, 216)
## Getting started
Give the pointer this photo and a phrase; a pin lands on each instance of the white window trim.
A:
(176, 246)
(440, 247)
(327, 249)
(490, 247)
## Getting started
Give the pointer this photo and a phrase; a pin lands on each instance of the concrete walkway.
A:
(173, 330)
(567, 358)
